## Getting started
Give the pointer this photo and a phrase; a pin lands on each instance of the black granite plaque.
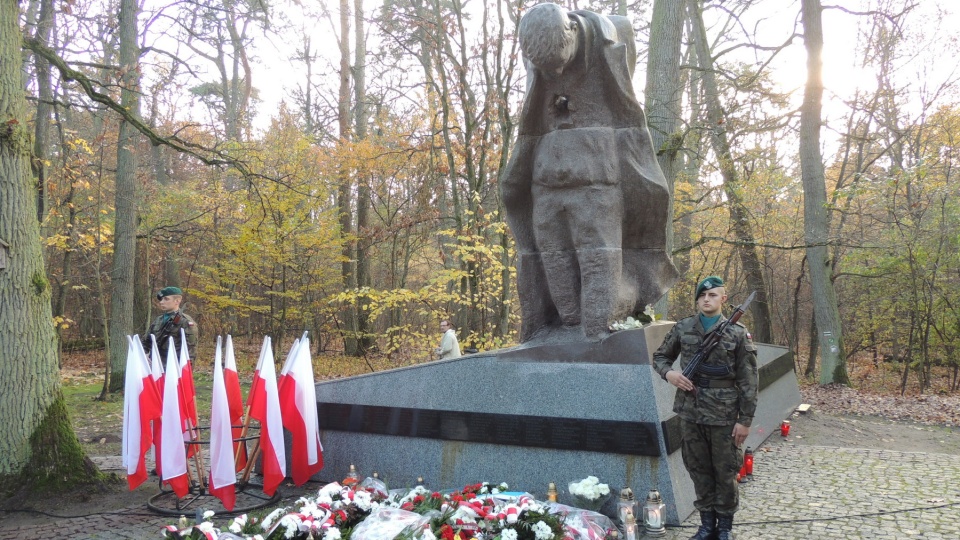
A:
(608, 436)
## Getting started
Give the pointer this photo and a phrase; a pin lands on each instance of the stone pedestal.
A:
(528, 417)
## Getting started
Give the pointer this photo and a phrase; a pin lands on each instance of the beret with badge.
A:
(708, 283)
(168, 291)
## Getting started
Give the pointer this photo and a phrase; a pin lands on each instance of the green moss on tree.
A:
(58, 461)
(39, 282)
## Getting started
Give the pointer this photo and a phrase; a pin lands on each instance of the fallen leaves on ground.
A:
(924, 409)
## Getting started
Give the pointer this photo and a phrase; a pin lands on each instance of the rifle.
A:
(165, 331)
(712, 339)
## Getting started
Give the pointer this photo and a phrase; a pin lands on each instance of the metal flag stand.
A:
(250, 496)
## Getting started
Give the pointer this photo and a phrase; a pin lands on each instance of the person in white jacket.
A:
(449, 347)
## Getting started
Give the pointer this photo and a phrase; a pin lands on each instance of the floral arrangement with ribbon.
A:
(367, 511)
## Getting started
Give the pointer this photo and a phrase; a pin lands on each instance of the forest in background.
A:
(365, 208)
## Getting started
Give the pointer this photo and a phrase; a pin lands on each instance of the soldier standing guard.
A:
(170, 322)
(715, 421)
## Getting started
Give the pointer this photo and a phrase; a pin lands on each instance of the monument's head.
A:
(548, 37)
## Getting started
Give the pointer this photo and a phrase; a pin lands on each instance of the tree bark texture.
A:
(365, 337)
(125, 226)
(344, 193)
(739, 215)
(662, 96)
(815, 220)
(45, 20)
(29, 378)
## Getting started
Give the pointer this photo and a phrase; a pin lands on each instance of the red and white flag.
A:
(255, 384)
(265, 407)
(223, 476)
(188, 396)
(298, 404)
(156, 374)
(173, 455)
(231, 378)
(141, 404)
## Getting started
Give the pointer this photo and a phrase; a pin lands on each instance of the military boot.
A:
(708, 527)
(725, 528)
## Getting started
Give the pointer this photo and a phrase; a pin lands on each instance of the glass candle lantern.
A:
(630, 526)
(352, 477)
(625, 504)
(785, 428)
(748, 461)
(654, 514)
(552, 492)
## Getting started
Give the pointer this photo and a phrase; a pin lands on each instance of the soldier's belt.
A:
(715, 383)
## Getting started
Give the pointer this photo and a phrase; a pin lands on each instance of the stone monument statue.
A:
(584, 194)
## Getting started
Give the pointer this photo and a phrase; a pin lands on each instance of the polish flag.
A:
(156, 374)
(141, 404)
(173, 455)
(223, 477)
(188, 396)
(231, 378)
(291, 356)
(255, 384)
(265, 407)
(298, 403)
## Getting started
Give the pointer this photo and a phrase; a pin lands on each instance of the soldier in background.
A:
(170, 322)
(716, 420)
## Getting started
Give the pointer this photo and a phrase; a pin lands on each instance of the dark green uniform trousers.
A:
(712, 459)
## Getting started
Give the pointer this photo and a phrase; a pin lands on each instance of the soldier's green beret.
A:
(708, 283)
(169, 291)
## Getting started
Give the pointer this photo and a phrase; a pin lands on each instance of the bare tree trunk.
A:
(663, 95)
(365, 337)
(125, 228)
(815, 220)
(36, 442)
(41, 142)
(344, 193)
(739, 215)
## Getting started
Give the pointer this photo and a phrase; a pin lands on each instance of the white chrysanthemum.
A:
(238, 523)
(208, 514)
(268, 521)
(332, 533)
(508, 534)
(329, 490)
(542, 531)
(292, 525)
(324, 499)
(206, 527)
(363, 499)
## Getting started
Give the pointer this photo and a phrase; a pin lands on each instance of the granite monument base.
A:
(530, 416)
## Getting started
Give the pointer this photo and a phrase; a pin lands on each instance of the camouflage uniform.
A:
(709, 452)
(162, 331)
